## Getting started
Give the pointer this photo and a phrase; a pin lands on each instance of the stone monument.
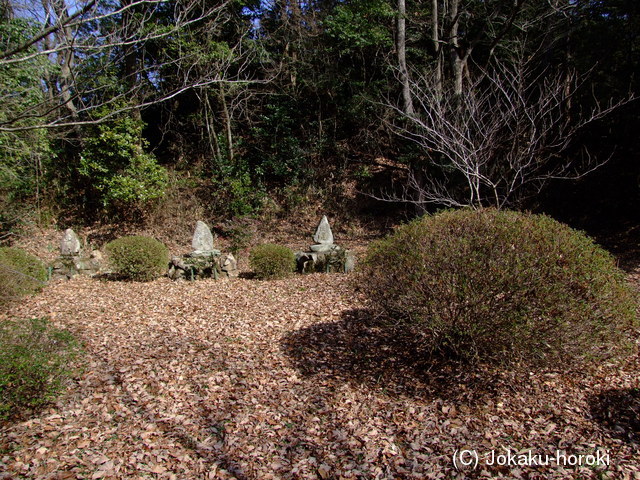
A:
(70, 243)
(323, 237)
(202, 241)
(204, 261)
(325, 256)
(73, 261)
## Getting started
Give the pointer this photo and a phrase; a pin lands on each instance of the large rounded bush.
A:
(20, 273)
(501, 287)
(270, 261)
(138, 258)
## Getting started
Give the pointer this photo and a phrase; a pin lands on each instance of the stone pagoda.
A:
(324, 255)
(204, 261)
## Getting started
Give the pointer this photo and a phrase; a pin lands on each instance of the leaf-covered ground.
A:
(293, 379)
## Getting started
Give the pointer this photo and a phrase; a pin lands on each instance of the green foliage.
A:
(20, 273)
(138, 258)
(281, 96)
(269, 261)
(237, 194)
(35, 363)
(245, 198)
(239, 231)
(275, 151)
(141, 181)
(502, 287)
(361, 24)
(24, 155)
(122, 174)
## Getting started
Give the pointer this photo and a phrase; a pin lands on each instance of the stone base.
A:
(199, 265)
(205, 253)
(324, 247)
(336, 260)
(68, 266)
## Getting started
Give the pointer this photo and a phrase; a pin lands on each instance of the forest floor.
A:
(294, 379)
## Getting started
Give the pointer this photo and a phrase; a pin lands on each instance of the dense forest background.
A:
(115, 110)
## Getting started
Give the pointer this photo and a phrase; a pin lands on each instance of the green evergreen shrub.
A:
(121, 174)
(271, 261)
(35, 362)
(20, 273)
(240, 232)
(501, 287)
(25, 155)
(138, 258)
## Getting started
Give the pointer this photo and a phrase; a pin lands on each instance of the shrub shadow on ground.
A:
(365, 350)
(618, 411)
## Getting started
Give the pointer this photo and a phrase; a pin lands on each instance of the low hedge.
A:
(35, 364)
(271, 261)
(138, 258)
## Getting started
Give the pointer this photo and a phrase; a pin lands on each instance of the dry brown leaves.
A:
(291, 380)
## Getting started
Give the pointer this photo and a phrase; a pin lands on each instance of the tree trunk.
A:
(227, 123)
(130, 57)
(568, 65)
(48, 81)
(459, 55)
(435, 38)
(212, 135)
(402, 59)
(66, 57)
(454, 47)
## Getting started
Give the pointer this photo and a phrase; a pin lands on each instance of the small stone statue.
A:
(323, 237)
(202, 238)
(72, 261)
(70, 243)
(325, 256)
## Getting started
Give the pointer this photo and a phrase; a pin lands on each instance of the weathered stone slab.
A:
(202, 238)
(205, 253)
(70, 243)
(199, 265)
(323, 247)
(349, 262)
(323, 233)
(193, 267)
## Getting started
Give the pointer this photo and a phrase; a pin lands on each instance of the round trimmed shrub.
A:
(501, 287)
(20, 273)
(271, 261)
(138, 258)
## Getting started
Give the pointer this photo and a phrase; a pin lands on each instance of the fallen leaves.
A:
(286, 380)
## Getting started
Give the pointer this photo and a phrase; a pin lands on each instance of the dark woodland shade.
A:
(263, 99)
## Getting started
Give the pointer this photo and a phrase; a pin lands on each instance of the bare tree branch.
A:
(494, 143)
(95, 36)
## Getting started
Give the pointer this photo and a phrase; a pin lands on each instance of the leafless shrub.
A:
(497, 142)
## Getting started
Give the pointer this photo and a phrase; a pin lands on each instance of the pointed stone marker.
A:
(325, 256)
(70, 243)
(202, 238)
(323, 237)
(323, 233)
